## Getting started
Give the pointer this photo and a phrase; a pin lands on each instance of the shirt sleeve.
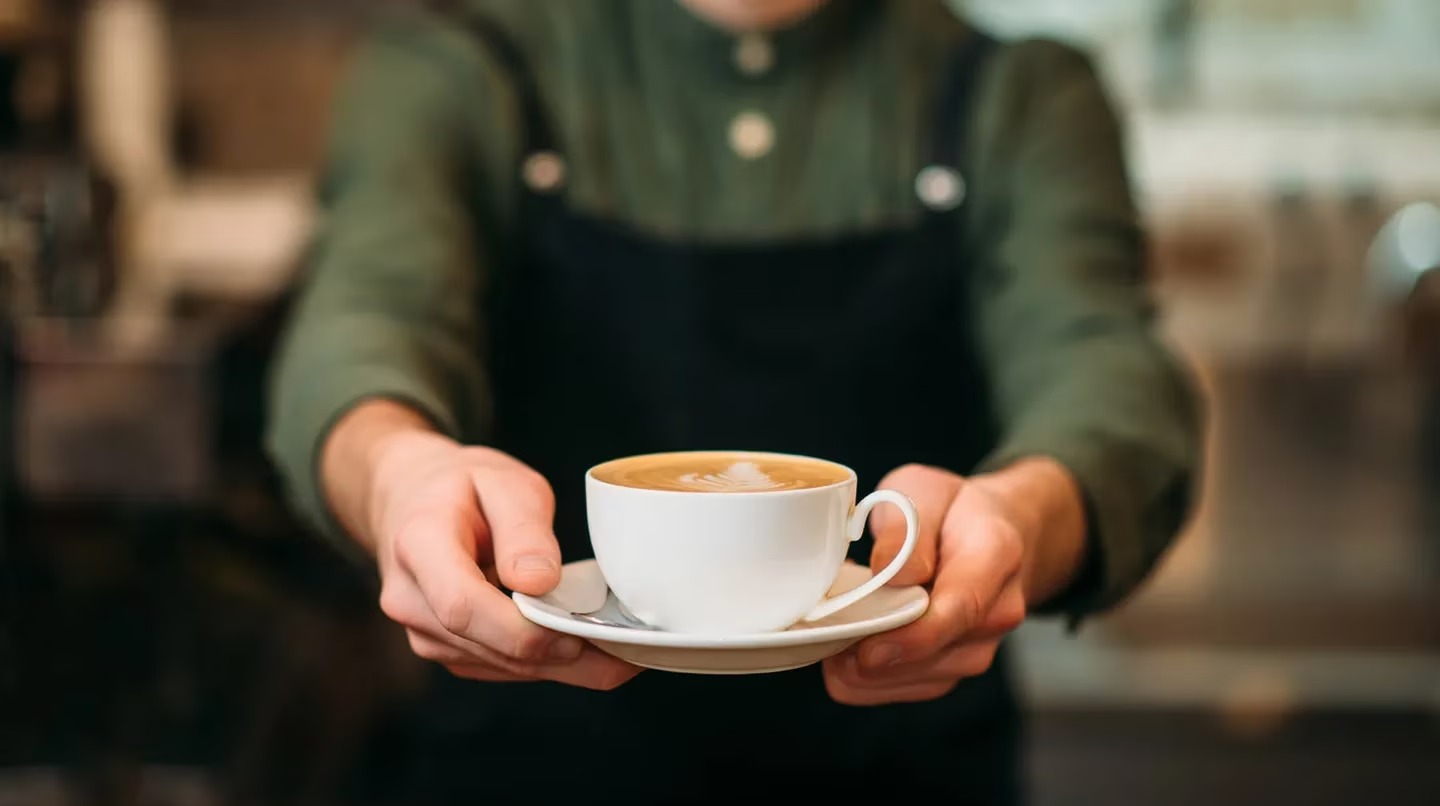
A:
(1066, 323)
(389, 306)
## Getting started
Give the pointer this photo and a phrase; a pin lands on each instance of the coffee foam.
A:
(720, 472)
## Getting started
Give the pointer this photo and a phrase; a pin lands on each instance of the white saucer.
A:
(582, 589)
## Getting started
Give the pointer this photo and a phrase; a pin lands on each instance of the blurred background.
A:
(171, 635)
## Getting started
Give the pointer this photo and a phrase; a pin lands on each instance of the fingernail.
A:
(532, 563)
(566, 649)
(882, 655)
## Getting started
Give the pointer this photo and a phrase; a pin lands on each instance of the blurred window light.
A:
(1404, 250)
(1261, 56)
(1417, 237)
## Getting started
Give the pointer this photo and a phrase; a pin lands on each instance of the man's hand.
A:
(449, 525)
(988, 546)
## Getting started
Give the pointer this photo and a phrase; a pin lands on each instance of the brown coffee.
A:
(720, 472)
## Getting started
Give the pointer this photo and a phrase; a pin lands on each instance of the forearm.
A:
(389, 309)
(352, 456)
(1047, 499)
(1079, 375)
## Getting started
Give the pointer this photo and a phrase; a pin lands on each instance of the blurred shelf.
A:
(1086, 671)
(1185, 154)
(1266, 622)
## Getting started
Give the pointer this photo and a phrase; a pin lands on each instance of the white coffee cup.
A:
(734, 562)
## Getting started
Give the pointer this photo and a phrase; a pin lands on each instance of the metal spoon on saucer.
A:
(613, 614)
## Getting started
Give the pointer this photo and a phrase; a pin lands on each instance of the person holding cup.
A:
(561, 233)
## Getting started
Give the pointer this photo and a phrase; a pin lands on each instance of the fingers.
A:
(920, 692)
(969, 659)
(570, 661)
(519, 510)
(848, 682)
(932, 491)
(403, 602)
(432, 647)
(976, 595)
(464, 604)
(588, 668)
(485, 674)
(405, 605)
(593, 670)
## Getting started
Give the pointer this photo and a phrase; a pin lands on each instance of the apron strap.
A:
(952, 125)
(538, 133)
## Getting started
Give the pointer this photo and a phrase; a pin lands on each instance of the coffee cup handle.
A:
(853, 530)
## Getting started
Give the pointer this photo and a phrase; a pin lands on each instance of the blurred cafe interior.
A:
(170, 633)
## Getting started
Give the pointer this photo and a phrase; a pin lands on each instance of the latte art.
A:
(739, 477)
(720, 472)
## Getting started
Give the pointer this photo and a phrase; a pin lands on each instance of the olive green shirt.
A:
(420, 193)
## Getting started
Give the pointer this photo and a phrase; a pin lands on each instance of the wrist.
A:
(360, 458)
(1047, 503)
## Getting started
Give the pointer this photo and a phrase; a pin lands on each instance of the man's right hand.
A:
(448, 525)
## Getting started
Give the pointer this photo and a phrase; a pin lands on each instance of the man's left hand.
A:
(978, 541)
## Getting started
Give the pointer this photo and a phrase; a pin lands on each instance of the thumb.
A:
(931, 491)
(519, 511)
(889, 532)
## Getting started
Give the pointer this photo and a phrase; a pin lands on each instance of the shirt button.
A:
(544, 171)
(940, 187)
(754, 55)
(752, 135)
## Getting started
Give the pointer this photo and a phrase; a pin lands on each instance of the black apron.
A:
(607, 343)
